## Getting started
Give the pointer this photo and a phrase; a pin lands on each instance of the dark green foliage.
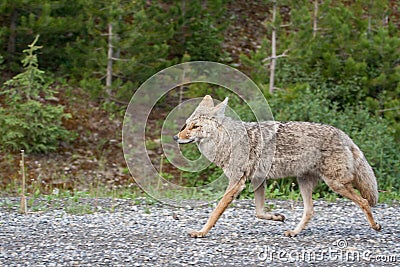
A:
(32, 126)
(60, 23)
(198, 29)
(354, 53)
(147, 37)
(139, 39)
(25, 122)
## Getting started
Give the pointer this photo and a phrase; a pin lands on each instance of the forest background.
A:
(69, 69)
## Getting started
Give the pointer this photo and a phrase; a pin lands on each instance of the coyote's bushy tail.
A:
(365, 180)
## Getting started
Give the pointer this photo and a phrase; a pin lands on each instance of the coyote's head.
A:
(203, 123)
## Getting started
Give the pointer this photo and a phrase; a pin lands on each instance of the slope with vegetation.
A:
(335, 62)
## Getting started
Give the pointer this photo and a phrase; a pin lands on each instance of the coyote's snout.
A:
(308, 151)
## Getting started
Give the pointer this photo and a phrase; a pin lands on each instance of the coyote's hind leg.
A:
(306, 185)
(348, 191)
(259, 197)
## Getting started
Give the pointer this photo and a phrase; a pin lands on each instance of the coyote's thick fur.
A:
(269, 150)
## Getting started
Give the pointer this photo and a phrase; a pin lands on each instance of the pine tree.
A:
(134, 50)
(26, 122)
(61, 25)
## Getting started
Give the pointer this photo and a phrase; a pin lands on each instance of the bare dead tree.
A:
(273, 50)
(13, 32)
(274, 57)
(109, 61)
(315, 18)
(112, 56)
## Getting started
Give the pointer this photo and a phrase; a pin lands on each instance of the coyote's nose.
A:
(176, 138)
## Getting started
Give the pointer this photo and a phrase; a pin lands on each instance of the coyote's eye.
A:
(195, 126)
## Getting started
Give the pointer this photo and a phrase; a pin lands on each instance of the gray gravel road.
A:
(137, 234)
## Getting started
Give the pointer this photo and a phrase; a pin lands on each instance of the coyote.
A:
(257, 151)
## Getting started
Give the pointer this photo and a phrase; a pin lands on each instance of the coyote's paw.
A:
(279, 217)
(377, 227)
(290, 233)
(197, 234)
(274, 217)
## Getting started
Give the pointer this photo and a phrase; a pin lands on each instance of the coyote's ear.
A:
(219, 110)
(204, 107)
(207, 102)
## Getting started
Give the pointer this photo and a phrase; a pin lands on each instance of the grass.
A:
(73, 202)
(85, 202)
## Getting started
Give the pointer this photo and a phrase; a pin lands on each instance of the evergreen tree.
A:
(26, 122)
(198, 29)
(60, 23)
(139, 41)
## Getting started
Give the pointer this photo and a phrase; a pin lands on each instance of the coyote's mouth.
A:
(184, 141)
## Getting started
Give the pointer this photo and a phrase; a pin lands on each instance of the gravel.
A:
(135, 233)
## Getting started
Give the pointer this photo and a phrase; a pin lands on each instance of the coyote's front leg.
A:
(234, 188)
(306, 185)
(259, 198)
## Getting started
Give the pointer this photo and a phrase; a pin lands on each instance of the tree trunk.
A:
(13, 32)
(109, 62)
(273, 50)
(315, 18)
